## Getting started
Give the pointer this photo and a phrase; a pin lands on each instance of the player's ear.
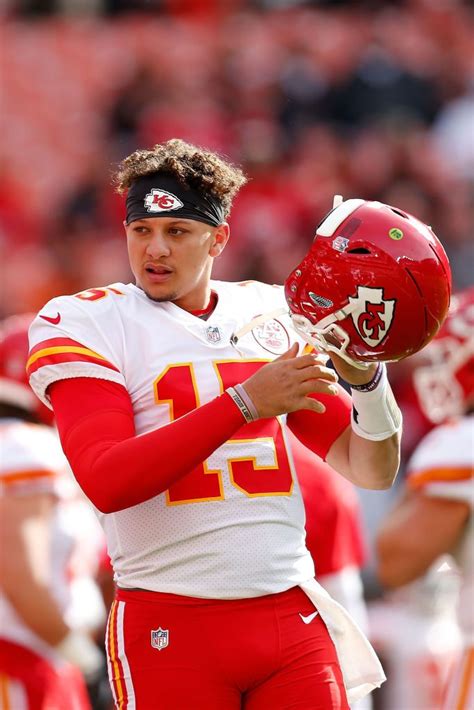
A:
(220, 239)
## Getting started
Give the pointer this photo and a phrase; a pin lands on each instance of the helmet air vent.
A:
(399, 212)
(358, 250)
(320, 300)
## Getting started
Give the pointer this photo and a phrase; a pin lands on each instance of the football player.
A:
(170, 395)
(48, 600)
(435, 516)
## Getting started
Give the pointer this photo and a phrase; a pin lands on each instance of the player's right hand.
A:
(283, 385)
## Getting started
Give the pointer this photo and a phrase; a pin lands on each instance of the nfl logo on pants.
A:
(160, 638)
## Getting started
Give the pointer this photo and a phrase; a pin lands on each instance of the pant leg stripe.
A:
(4, 693)
(127, 676)
(114, 666)
(107, 650)
(467, 678)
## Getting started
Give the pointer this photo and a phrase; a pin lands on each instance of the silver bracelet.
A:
(240, 389)
(247, 414)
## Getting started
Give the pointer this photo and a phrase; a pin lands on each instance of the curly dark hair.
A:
(194, 167)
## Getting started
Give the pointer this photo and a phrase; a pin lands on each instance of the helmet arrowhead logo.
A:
(372, 314)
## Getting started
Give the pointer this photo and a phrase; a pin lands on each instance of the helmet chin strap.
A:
(315, 335)
(258, 320)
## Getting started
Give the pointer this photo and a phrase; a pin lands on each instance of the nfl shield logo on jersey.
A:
(160, 638)
(213, 334)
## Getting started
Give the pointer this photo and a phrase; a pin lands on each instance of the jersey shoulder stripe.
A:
(85, 343)
(418, 479)
(14, 477)
(29, 482)
(447, 447)
(59, 350)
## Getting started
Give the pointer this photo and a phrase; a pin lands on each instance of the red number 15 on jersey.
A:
(256, 457)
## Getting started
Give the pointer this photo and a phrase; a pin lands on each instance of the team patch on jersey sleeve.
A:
(60, 350)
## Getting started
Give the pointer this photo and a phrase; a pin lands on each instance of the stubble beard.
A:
(172, 296)
(162, 299)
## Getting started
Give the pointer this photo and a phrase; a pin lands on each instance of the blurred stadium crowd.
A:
(364, 99)
(367, 100)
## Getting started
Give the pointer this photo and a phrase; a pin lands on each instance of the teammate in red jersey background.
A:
(434, 516)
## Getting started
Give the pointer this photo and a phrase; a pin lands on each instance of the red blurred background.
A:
(371, 100)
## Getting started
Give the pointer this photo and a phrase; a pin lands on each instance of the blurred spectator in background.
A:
(312, 99)
(434, 516)
(50, 606)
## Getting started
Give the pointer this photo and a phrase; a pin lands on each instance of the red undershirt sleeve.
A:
(117, 469)
(319, 431)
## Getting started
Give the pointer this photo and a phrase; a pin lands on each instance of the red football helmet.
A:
(444, 380)
(14, 387)
(375, 284)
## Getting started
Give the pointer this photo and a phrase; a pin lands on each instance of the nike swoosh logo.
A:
(309, 619)
(54, 320)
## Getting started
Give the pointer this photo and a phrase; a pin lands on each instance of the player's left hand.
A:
(350, 374)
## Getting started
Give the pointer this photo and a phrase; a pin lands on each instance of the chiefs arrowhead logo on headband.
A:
(161, 201)
(372, 315)
(163, 195)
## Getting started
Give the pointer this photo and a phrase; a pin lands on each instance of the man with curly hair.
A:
(170, 396)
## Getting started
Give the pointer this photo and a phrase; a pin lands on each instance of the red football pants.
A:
(30, 682)
(172, 652)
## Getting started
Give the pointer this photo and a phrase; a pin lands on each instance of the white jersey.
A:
(442, 466)
(32, 463)
(234, 527)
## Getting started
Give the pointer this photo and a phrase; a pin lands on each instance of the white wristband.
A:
(375, 413)
(81, 651)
